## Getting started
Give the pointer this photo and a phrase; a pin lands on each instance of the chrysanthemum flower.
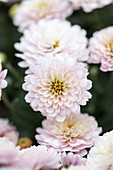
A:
(72, 159)
(31, 12)
(78, 168)
(75, 134)
(89, 5)
(3, 82)
(57, 86)
(101, 49)
(8, 152)
(40, 157)
(59, 36)
(101, 155)
(7, 130)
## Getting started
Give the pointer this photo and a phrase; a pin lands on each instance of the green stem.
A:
(11, 107)
(14, 72)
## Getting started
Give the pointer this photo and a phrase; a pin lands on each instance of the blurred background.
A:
(13, 104)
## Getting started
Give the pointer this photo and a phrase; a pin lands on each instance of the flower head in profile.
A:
(89, 5)
(101, 49)
(75, 134)
(7, 130)
(8, 152)
(31, 12)
(58, 37)
(101, 155)
(42, 158)
(57, 86)
(72, 159)
(3, 82)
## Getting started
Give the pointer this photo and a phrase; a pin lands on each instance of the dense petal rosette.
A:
(7, 130)
(59, 36)
(101, 49)
(57, 85)
(40, 157)
(31, 12)
(75, 134)
(3, 82)
(101, 155)
(89, 5)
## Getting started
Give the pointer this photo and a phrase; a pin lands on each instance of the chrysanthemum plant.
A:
(56, 60)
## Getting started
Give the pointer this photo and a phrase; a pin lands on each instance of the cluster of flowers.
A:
(43, 157)
(54, 53)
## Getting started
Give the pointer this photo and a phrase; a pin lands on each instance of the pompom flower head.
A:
(57, 85)
(75, 134)
(89, 5)
(7, 130)
(8, 152)
(101, 155)
(42, 158)
(31, 12)
(3, 82)
(101, 49)
(72, 159)
(59, 36)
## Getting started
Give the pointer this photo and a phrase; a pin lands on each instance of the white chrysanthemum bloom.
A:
(77, 132)
(83, 167)
(31, 12)
(101, 49)
(59, 36)
(57, 86)
(72, 159)
(8, 152)
(39, 157)
(101, 155)
(89, 5)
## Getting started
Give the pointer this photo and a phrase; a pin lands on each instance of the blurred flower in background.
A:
(3, 82)
(59, 36)
(72, 159)
(101, 49)
(89, 5)
(31, 12)
(7, 130)
(101, 155)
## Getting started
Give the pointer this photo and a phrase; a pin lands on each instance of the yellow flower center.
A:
(56, 44)
(57, 87)
(42, 5)
(109, 48)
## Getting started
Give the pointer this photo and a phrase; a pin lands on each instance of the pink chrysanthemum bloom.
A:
(101, 49)
(89, 5)
(72, 159)
(59, 36)
(77, 132)
(31, 12)
(57, 86)
(101, 155)
(7, 130)
(3, 82)
(40, 157)
(8, 152)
